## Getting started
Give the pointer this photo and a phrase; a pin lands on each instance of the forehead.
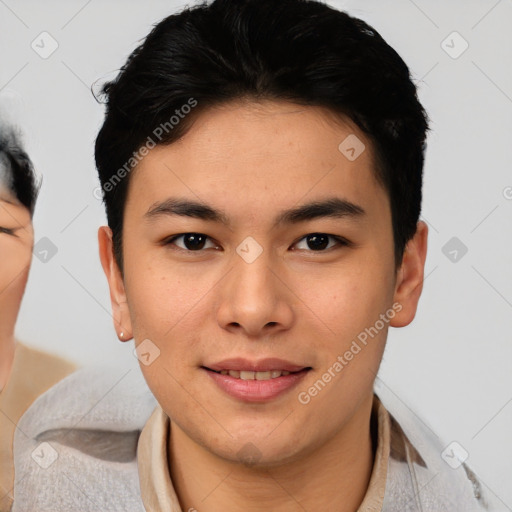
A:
(5, 173)
(6, 195)
(261, 154)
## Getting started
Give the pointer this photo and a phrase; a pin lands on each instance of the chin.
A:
(257, 452)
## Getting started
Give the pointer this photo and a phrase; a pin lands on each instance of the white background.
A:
(453, 364)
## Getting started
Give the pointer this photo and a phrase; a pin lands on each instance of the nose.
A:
(255, 299)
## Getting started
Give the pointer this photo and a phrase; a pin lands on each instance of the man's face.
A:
(16, 241)
(256, 289)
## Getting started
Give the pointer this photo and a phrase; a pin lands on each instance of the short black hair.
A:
(16, 165)
(301, 51)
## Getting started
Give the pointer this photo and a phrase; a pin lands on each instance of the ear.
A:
(120, 311)
(410, 275)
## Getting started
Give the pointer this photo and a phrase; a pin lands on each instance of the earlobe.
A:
(120, 311)
(409, 283)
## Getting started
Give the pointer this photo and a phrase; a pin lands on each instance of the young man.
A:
(25, 373)
(261, 164)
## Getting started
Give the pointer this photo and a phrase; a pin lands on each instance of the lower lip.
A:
(256, 390)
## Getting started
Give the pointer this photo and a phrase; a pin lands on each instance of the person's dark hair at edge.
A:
(18, 168)
(297, 50)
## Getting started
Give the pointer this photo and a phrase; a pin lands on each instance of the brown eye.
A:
(192, 242)
(318, 242)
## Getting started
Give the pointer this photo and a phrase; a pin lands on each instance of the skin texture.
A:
(253, 160)
(16, 242)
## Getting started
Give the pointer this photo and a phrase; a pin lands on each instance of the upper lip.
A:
(263, 365)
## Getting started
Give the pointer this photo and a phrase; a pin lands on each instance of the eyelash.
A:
(7, 231)
(342, 242)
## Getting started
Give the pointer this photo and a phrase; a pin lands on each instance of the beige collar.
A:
(157, 490)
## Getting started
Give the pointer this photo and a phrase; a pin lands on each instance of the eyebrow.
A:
(331, 207)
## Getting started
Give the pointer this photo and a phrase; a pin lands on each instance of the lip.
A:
(255, 390)
(263, 365)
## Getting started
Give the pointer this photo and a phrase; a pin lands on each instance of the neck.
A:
(7, 348)
(338, 473)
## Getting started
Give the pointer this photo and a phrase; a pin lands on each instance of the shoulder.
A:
(425, 474)
(33, 373)
(75, 448)
(42, 367)
(30, 352)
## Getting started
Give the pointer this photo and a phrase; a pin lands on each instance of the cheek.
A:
(13, 280)
(158, 300)
(166, 306)
(13, 287)
(348, 299)
(16, 258)
(357, 306)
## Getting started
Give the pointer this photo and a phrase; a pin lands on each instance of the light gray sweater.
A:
(75, 450)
